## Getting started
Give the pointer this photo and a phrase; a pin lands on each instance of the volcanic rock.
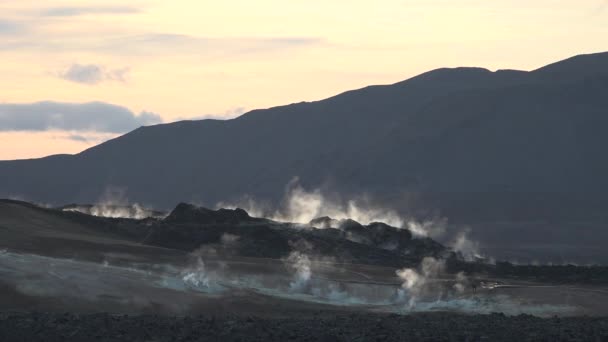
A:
(188, 213)
(323, 222)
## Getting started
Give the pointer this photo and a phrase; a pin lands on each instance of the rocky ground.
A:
(316, 327)
(53, 261)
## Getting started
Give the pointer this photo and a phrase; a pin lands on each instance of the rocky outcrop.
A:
(188, 213)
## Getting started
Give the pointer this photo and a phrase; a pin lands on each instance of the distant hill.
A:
(467, 141)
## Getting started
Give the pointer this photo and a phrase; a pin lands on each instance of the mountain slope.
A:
(447, 134)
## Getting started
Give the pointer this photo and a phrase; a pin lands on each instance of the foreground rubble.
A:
(320, 326)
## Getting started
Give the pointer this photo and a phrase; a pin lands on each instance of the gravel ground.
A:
(321, 326)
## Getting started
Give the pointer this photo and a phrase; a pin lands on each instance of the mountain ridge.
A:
(458, 130)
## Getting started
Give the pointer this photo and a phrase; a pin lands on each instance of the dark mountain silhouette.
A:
(469, 141)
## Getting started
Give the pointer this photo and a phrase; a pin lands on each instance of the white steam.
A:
(133, 211)
(114, 204)
(312, 280)
(302, 206)
(425, 283)
(198, 276)
(428, 228)
(301, 267)
(468, 248)
(462, 282)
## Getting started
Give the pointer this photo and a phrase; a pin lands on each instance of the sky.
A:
(77, 73)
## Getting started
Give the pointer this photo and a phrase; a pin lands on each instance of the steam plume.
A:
(301, 265)
(301, 206)
(115, 204)
(469, 249)
(423, 282)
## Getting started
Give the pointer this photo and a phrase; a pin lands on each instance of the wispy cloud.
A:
(229, 114)
(72, 11)
(180, 42)
(9, 27)
(92, 74)
(82, 137)
(155, 44)
(92, 116)
(78, 138)
(55, 30)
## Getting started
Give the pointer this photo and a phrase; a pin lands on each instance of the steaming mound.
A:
(228, 232)
(379, 235)
(189, 227)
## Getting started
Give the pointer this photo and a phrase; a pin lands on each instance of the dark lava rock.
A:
(323, 222)
(351, 225)
(188, 213)
(378, 234)
(390, 237)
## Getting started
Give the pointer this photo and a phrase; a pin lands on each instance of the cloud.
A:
(81, 137)
(235, 112)
(160, 44)
(77, 11)
(78, 138)
(92, 116)
(208, 45)
(93, 74)
(9, 27)
(229, 114)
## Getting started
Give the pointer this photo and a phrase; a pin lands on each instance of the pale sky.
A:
(157, 61)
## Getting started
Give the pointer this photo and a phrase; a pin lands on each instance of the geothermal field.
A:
(66, 274)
